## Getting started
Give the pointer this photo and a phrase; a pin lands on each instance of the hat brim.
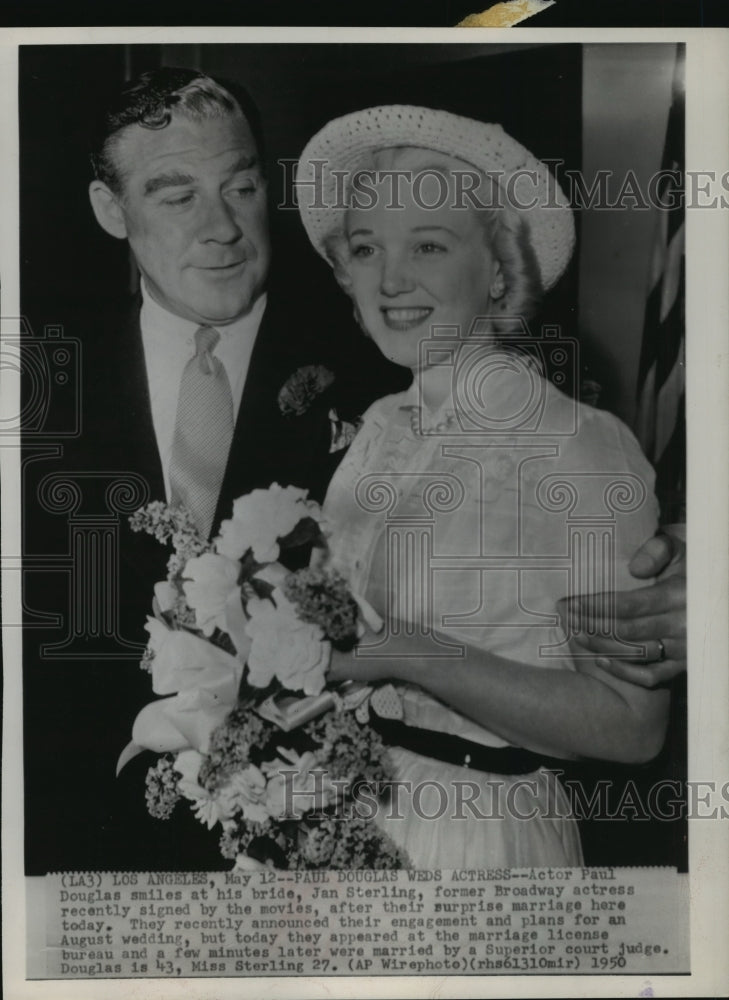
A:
(525, 185)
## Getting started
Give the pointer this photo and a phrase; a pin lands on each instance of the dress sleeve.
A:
(594, 502)
(566, 520)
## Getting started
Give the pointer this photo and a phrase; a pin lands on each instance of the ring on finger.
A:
(661, 652)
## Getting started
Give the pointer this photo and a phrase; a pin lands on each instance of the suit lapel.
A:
(254, 451)
(143, 559)
(268, 446)
(137, 404)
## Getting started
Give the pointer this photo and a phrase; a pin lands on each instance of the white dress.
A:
(476, 529)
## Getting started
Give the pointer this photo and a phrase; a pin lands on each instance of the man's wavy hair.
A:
(506, 233)
(152, 99)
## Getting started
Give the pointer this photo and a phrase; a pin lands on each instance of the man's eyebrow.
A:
(246, 161)
(172, 179)
(176, 178)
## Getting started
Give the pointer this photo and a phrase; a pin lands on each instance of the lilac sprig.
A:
(174, 526)
(323, 598)
(353, 752)
(354, 843)
(230, 746)
(162, 791)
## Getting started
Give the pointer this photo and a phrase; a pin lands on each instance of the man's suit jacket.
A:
(79, 708)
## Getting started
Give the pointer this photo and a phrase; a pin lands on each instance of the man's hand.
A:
(653, 616)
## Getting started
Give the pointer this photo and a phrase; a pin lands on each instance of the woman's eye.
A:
(363, 250)
(428, 248)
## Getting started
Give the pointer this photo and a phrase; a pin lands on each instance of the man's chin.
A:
(216, 313)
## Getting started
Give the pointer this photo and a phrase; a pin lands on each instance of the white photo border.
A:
(707, 142)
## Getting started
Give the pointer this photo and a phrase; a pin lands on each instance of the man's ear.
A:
(107, 209)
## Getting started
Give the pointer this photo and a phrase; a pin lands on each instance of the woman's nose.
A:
(396, 276)
(219, 224)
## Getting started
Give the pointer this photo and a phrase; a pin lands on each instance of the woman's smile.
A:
(415, 268)
(405, 317)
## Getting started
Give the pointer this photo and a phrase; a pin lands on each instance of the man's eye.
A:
(244, 191)
(179, 200)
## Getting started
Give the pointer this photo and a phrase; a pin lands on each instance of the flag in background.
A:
(660, 420)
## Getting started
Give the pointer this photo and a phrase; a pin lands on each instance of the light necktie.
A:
(203, 432)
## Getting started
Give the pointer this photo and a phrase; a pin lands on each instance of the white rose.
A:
(246, 791)
(260, 518)
(210, 581)
(284, 647)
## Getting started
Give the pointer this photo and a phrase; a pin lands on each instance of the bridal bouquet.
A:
(247, 729)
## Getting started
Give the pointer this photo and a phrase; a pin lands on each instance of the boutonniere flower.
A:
(301, 389)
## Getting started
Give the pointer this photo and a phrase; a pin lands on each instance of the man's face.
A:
(194, 209)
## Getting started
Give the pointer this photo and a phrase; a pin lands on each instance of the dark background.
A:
(386, 13)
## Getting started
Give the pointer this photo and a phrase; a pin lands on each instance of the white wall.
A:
(626, 99)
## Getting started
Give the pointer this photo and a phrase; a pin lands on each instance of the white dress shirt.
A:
(169, 343)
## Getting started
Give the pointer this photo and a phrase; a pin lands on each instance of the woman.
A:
(469, 504)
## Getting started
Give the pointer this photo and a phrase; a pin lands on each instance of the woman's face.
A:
(414, 267)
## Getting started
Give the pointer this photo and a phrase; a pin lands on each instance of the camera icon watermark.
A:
(49, 369)
(498, 384)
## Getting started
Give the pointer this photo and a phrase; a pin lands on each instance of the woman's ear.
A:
(498, 282)
(338, 257)
(107, 209)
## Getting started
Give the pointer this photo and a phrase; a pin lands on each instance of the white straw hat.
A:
(525, 183)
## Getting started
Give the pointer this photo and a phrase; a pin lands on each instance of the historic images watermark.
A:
(520, 190)
(501, 797)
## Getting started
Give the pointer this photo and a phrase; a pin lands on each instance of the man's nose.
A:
(219, 224)
(396, 276)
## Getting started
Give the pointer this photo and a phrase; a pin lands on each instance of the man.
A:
(179, 175)
(188, 191)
